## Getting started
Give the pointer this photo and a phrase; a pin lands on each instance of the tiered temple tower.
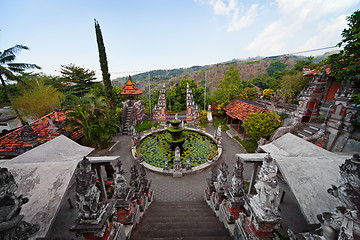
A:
(159, 112)
(192, 110)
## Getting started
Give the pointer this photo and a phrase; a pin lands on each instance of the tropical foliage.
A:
(261, 125)
(93, 117)
(8, 68)
(267, 93)
(78, 79)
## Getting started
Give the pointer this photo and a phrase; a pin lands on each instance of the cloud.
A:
(239, 16)
(237, 23)
(302, 19)
(328, 35)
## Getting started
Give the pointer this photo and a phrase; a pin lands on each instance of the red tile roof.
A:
(311, 73)
(130, 88)
(240, 109)
(11, 144)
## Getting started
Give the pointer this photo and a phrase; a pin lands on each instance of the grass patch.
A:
(250, 146)
(224, 127)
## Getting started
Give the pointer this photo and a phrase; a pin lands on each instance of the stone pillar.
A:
(137, 187)
(263, 214)
(192, 110)
(219, 195)
(94, 215)
(125, 210)
(235, 196)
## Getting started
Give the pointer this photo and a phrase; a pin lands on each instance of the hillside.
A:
(250, 68)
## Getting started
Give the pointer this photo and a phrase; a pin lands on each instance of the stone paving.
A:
(188, 188)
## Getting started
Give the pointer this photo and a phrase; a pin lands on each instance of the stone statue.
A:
(237, 181)
(267, 197)
(222, 177)
(120, 183)
(217, 134)
(88, 195)
(188, 164)
(12, 225)
(260, 143)
(134, 177)
(281, 131)
(177, 159)
(176, 117)
(319, 136)
(135, 136)
(344, 221)
(166, 164)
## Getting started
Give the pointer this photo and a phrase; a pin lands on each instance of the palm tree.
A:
(8, 68)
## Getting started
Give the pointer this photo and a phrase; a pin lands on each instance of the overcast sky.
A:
(163, 34)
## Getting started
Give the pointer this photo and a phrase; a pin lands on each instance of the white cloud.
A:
(240, 17)
(237, 23)
(328, 35)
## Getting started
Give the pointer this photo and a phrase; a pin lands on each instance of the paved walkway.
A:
(189, 187)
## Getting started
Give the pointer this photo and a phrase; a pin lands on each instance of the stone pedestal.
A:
(210, 184)
(99, 228)
(230, 210)
(217, 197)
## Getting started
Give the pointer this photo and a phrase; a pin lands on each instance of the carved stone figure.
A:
(281, 131)
(267, 197)
(176, 116)
(188, 164)
(120, 183)
(344, 221)
(237, 181)
(319, 136)
(177, 159)
(12, 225)
(210, 183)
(217, 134)
(88, 195)
(166, 164)
(260, 143)
(222, 177)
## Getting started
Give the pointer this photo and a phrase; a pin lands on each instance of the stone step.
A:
(189, 238)
(179, 233)
(180, 213)
(172, 219)
(190, 224)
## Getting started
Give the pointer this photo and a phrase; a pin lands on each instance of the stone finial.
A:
(11, 224)
(267, 197)
(119, 181)
(222, 177)
(188, 164)
(88, 195)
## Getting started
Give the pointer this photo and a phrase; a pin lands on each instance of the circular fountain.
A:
(196, 146)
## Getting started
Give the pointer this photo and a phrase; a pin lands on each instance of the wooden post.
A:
(239, 127)
(231, 122)
(244, 134)
(227, 119)
(101, 180)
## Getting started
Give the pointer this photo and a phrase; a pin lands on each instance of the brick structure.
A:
(159, 112)
(192, 110)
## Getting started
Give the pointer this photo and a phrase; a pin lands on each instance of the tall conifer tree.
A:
(104, 64)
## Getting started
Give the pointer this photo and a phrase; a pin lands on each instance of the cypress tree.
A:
(104, 64)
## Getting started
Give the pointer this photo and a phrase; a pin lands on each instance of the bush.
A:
(283, 115)
(146, 125)
(224, 127)
(267, 93)
(250, 146)
(203, 117)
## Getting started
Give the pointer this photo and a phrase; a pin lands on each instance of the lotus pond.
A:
(198, 147)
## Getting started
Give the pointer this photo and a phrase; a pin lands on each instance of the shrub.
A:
(203, 117)
(267, 93)
(250, 146)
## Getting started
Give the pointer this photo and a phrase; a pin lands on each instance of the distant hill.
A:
(249, 68)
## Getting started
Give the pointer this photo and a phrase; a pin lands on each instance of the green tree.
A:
(275, 66)
(8, 68)
(93, 117)
(291, 85)
(37, 102)
(229, 87)
(261, 125)
(104, 65)
(176, 97)
(346, 64)
(80, 79)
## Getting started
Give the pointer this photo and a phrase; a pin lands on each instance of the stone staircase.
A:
(127, 125)
(307, 129)
(180, 220)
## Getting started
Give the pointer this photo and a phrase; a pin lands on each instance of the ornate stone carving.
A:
(12, 225)
(217, 135)
(222, 177)
(210, 183)
(120, 184)
(166, 164)
(177, 159)
(281, 131)
(188, 164)
(88, 195)
(267, 200)
(137, 187)
(218, 196)
(320, 136)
